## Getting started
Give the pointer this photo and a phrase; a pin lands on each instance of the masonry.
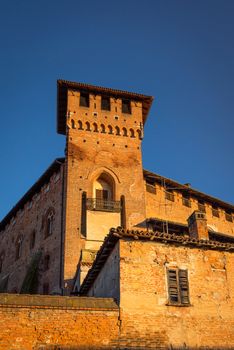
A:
(163, 274)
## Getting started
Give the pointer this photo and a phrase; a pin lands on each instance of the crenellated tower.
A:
(104, 184)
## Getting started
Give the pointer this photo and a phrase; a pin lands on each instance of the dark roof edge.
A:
(190, 190)
(29, 194)
(119, 233)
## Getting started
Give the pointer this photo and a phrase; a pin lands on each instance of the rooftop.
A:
(63, 86)
(119, 233)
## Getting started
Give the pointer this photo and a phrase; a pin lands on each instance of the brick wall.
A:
(91, 152)
(46, 322)
(159, 207)
(146, 316)
(32, 218)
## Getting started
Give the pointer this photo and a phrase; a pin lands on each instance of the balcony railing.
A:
(103, 205)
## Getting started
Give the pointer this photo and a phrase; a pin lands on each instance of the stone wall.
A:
(32, 219)
(46, 322)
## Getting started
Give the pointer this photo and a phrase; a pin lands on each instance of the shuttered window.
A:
(178, 288)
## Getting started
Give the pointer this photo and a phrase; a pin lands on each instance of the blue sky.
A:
(179, 51)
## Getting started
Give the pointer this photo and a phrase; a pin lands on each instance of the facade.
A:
(49, 240)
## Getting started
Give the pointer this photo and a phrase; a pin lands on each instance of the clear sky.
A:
(179, 51)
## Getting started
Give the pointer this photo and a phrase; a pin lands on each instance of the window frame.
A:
(178, 287)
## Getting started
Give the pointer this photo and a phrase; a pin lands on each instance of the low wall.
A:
(54, 322)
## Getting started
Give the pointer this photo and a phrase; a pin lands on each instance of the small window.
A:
(150, 187)
(228, 216)
(19, 246)
(49, 224)
(126, 106)
(32, 239)
(84, 99)
(46, 263)
(169, 196)
(186, 201)
(105, 103)
(215, 211)
(201, 206)
(1, 262)
(178, 287)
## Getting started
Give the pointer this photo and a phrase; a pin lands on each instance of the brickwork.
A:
(157, 309)
(41, 322)
(146, 314)
(99, 142)
(32, 220)
(159, 207)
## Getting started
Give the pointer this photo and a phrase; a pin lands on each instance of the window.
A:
(178, 287)
(215, 211)
(105, 103)
(201, 206)
(228, 216)
(19, 245)
(32, 239)
(49, 223)
(46, 262)
(1, 261)
(169, 196)
(84, 99)
(126, 106)
(186, 201)
(150, 187)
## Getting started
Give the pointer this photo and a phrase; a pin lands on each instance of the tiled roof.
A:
(55, 166)
(64, 85)
(165, 238)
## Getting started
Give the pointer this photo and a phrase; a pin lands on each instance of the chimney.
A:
(197, 225)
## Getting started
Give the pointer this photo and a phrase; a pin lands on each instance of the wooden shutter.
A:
(173, 289)
(184, 286)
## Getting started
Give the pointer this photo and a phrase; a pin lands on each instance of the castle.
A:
(166, 264)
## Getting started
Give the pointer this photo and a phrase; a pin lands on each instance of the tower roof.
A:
(63, 86)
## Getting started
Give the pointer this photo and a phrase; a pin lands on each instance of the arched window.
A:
(18, 246)
(95, 127)
(132, 134)
(103, 130)
(49, 223)
(73, 124)
(88, 126)
(103, 192)
(125, 133)
(80, 125)
(117, 130)
(110, 129)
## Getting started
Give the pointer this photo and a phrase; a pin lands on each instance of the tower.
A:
(104, 184)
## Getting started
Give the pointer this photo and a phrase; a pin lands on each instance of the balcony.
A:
(103, 205)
